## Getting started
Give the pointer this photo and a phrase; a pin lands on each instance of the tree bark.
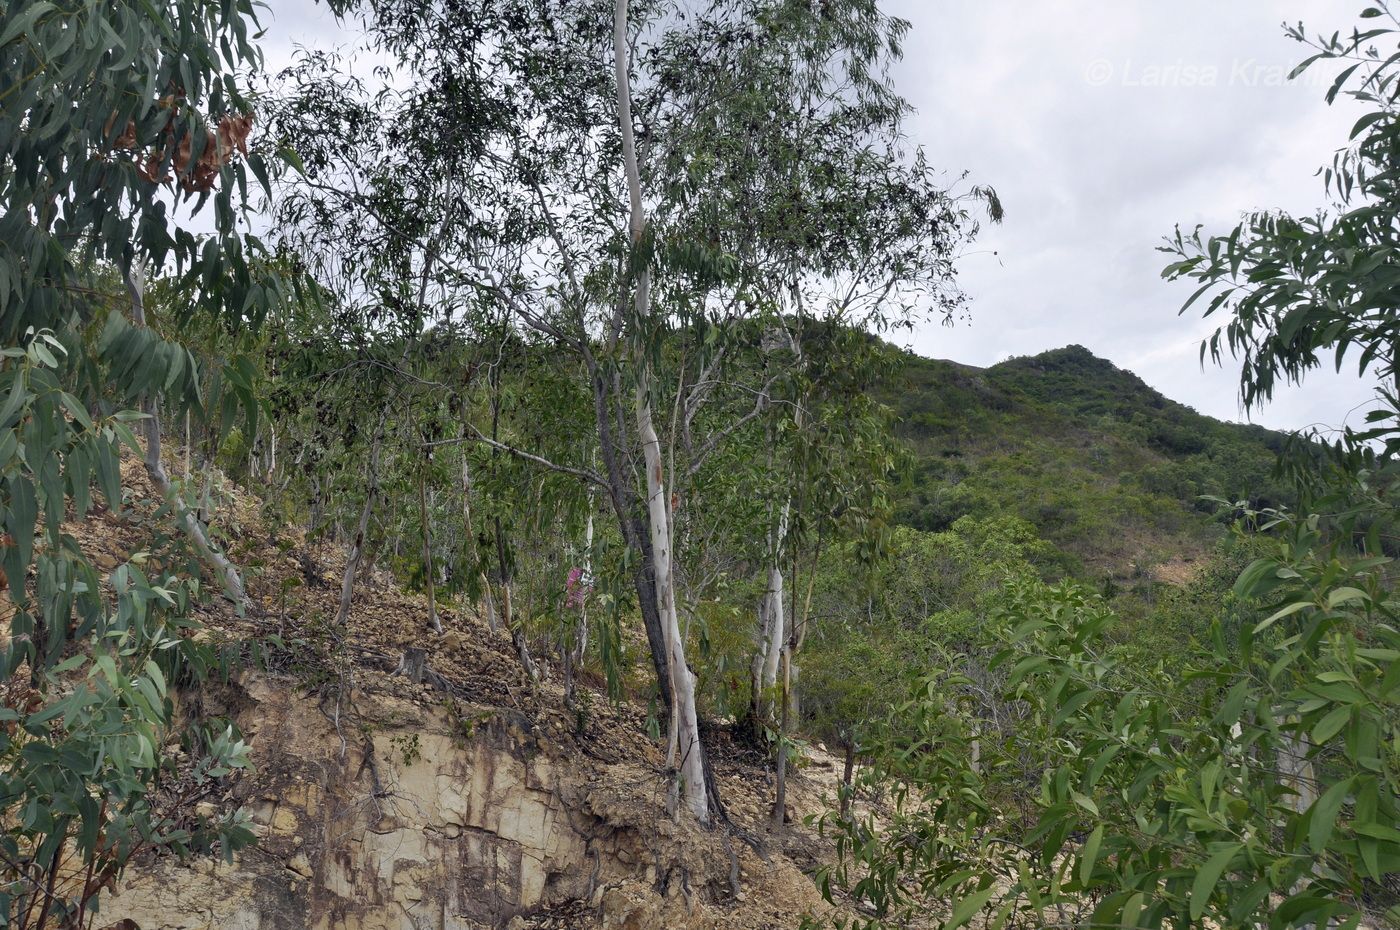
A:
(773, 631)
(517, 632)
(847, 773)
(431, 585)
(686, 748)
(357, 548)
(788, 695)
(780, 794)
(630, 521)
(573, 657)
(155, 468)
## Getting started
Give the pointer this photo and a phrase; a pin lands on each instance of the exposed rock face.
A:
(419, 821)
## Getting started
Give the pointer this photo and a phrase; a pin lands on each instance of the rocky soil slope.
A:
(467, 800)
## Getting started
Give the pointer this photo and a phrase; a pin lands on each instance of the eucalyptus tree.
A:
(839, 463)
(118, 122)
(640, 217)
(373, 231)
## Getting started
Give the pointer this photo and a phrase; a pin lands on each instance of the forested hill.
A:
(1105, 467)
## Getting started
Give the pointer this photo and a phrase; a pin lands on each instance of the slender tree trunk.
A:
(632, 524)
(517, 635)
(489, 604)
(847, 774)
(357, 547)
(581, 639)
(777, 633)
(780, 793)
(517, 630)
(773, 630)
(788, 695)
(573, 656)
(429, 574)
(155, 468)
(685, 727)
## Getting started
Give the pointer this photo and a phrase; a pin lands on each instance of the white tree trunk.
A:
(685, 727)
(586, 583)
(775, 626)
(1296, 772)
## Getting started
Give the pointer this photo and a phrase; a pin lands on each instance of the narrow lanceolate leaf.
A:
(967, 907)
(1090, 856)
(1331, 724)
(1324, 814)
(25, 21)
(1208, 877)
(1288, 611)
(1345, 596)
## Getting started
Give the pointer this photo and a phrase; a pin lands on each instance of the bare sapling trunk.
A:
(517, 630)
(357, 546)
(788, 695)
(772, 626)
(780, 792)
(428, 574)
(488, 604)
(578, 648)
(686, 753)
(517, 634)
(581, 638)
(155, 468)
(848, 772)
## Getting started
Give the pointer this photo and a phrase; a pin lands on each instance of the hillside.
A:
(461, 795)
(1103, 466)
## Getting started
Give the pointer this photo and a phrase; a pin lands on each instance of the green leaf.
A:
(1086, 802)
(967, 907)
(14, 400)
(1345, 596)
(1331, 724)
(1285, 612)
(1324, 814)
(1090, 855)
(1131, 909)
(24, 21)
(1209, 876)
(290, 156)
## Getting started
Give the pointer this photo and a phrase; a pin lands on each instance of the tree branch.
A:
(584, 474)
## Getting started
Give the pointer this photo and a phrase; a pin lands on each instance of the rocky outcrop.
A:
(413, 815)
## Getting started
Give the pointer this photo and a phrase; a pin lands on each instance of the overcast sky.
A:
(1102, 124)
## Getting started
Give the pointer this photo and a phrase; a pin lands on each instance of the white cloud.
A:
(1102, 124)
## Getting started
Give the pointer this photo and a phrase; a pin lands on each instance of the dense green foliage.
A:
(1099, 463)
(114, 117)
(586, 338)
(1249, 775)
